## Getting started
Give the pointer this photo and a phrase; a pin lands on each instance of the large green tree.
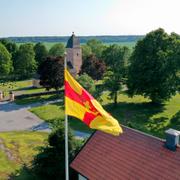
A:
(154, 66)
(57, 50)
(40, 52)
(24, 64)
(96, 46)
(51, 73)
(5, 61)
(116, 58)
(93, 67)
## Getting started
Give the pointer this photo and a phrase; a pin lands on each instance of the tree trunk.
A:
(115, 98)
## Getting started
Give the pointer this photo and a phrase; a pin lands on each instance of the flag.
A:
(80, 104)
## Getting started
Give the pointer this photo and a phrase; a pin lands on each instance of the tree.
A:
(5, 61)
(57, 50)
(153, 69)
(51, 73)
(96, 46)
(25, 64)
(87, 82)
(93, 67)
(10, 46)
(116, 58)
(86, 51)
(50, 162)
(40, 52)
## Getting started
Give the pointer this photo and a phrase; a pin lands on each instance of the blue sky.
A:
(87, 17)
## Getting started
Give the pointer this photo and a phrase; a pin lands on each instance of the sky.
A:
(87, 17)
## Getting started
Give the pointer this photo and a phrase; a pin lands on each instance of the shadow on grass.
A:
(138, 115)
(37, 99)
(25, 88)
(25, 173)
(175, 121)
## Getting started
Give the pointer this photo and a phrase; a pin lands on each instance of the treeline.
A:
(151, 69)
(83, 39)
(22, 62)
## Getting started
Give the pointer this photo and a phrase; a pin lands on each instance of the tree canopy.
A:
(87, 82)
(5, 61)
(93, 67)
(51, 73)
(96, 46)
(116, 58)
(86, 51)
(40, 52)
(24, 63)
(153, 69)
(57, 50)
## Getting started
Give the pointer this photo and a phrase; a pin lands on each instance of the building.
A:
(131, 156)
(74, 59)
(74, 54)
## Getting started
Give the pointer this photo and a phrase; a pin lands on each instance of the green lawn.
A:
(140, 114)
(136, 112)
(55, 111)
(20, 87)
(20, 147)
(42, 98)
(9, 86)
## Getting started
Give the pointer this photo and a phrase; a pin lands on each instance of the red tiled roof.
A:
(131, 156)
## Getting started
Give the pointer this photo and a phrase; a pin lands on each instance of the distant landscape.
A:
(49, 41)
(83, 39)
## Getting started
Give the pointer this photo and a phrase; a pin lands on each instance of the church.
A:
(74, 54)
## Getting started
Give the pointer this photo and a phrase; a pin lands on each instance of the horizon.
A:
(70, 35)
(91, 18)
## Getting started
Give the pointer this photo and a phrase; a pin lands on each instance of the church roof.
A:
(73, 42)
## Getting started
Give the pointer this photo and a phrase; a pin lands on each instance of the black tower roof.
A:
(73, 42)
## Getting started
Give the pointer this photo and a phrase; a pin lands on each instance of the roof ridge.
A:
(143, 133)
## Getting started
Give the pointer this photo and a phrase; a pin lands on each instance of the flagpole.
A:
(66, 133)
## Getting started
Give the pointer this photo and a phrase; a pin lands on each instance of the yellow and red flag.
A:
(80, 104)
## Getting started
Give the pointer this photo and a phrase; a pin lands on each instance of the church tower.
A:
(74, 54)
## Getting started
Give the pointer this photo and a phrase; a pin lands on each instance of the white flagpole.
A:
(66, 133)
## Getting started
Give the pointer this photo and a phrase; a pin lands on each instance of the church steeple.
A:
(74, 54)
(73, 42)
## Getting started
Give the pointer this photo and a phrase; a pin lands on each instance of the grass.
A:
(22, 146)
(140, 114)
(20, 87)
(23, 87)
(9, 86)
(38, 99)
(136, 112)
(55, 111)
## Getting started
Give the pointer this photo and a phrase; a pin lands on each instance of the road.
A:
(15, 117)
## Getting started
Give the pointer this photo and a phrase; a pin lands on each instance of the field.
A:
(50, 44)
(17, 149)
(136, 112)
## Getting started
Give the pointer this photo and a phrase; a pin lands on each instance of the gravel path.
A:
(15, 117)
